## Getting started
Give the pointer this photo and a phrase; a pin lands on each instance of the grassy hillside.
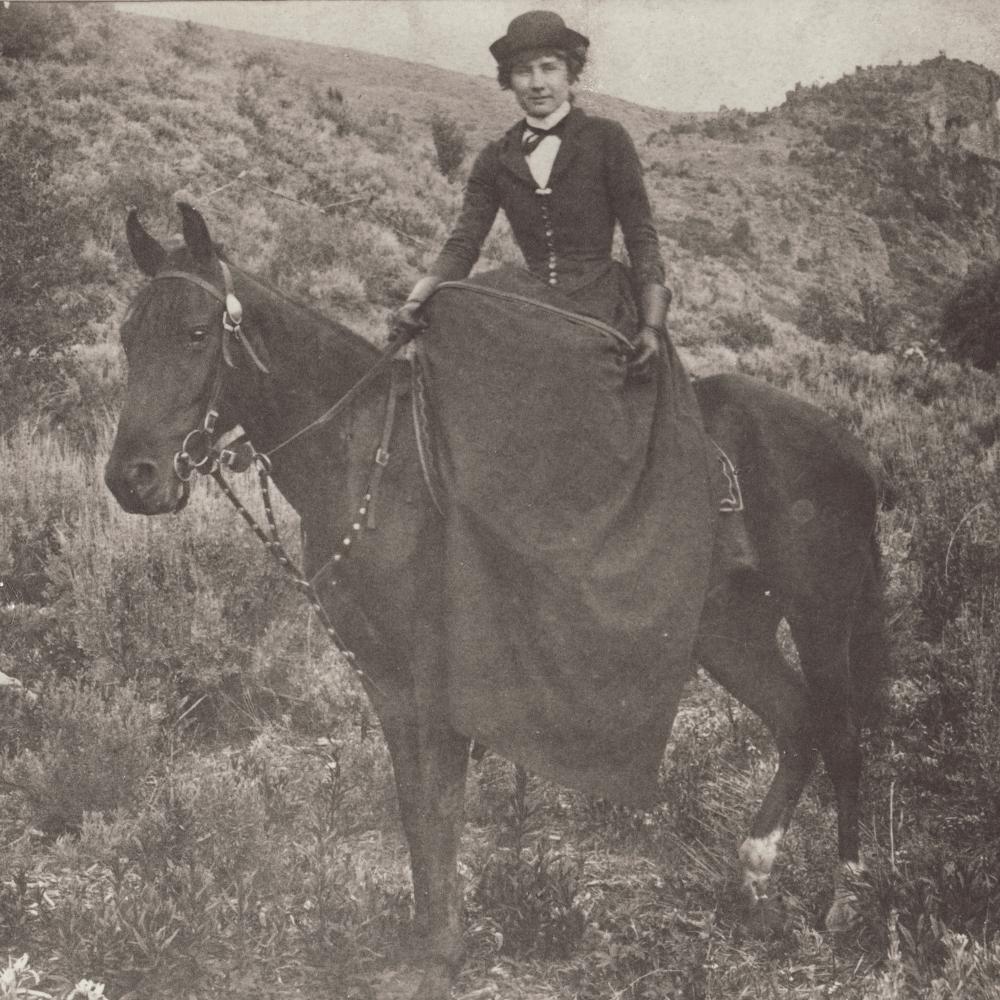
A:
(197, 795)
(877, 180)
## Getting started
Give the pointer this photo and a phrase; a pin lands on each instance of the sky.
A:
(680, 55)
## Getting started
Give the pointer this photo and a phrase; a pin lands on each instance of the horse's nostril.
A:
(140, 476)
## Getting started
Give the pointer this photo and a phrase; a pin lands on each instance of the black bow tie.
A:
(532, 136)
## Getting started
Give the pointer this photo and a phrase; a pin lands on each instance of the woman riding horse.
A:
(563, 179)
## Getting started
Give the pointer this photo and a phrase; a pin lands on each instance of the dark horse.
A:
(804, 550)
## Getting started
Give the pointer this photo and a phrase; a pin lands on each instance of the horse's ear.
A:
(196, 234)
(146, 251)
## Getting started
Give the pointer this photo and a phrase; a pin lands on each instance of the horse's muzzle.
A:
(140, 488)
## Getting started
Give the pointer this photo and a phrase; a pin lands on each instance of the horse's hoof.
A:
(435, 985)
(849, 886)
(752, 911)
(843, 915)
(764, 916)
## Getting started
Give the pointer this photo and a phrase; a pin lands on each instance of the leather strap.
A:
(195, 280)
(382, 453)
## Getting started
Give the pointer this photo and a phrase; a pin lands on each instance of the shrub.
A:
(879, 318)
(249, 106)
(971, 969)
(183, 610)
(365, 252)
(846, 136)
(725, 128)
(970, 320)
(741, 236)
(698, 235)
(684, 128)
(529, 895)
(821, 316)
(743, 330)
(449, 143)
(266, 61)
(382, 129)
(89, 752)
(249, 852)
(35, 258)
(32, 30)
(330, 106)
(867, 323)
(190, 43)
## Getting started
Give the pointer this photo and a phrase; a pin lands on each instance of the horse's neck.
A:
(313, 364)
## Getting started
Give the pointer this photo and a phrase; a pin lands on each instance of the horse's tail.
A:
(870, 662)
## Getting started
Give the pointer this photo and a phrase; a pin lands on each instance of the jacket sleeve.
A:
(479, 210)
(630, 203)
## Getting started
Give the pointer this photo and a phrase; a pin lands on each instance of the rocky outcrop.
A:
(968, 116)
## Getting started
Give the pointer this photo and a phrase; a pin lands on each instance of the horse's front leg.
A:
(443, 760)
(429, 761)
(441, 763)
(396, 710)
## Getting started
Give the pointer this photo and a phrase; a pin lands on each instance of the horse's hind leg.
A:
(737, 646)
(843, 656)
(824, 655)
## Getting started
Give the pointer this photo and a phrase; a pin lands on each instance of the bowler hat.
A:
(537, 29)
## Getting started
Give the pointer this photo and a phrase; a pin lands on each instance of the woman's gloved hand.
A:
(406, 322)
(645, 351)
(654, 301)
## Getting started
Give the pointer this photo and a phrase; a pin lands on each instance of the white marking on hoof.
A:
(757, 855)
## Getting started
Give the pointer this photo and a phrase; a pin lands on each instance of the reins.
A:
(200, 453)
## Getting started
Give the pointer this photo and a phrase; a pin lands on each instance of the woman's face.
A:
(540, 81)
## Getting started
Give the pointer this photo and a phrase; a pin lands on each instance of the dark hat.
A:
(538, 29)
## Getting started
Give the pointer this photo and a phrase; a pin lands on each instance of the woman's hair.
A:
(575, 60)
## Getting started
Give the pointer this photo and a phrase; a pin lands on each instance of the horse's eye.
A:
(197, 335)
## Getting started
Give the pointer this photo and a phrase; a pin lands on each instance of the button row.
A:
(550, 245)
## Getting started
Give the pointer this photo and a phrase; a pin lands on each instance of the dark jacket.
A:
(565, 231)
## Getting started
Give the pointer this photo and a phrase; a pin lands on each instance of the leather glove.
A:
(406, 322)
(654, 300)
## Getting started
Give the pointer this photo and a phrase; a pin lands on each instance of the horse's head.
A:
(173, 337)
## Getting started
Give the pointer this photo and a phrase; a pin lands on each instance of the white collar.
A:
(552, 119)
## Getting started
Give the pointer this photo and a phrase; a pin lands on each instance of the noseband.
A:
(198, 453)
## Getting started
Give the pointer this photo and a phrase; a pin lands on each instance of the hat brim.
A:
(504, 49)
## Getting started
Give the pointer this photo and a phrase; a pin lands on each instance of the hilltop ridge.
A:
(947, 102)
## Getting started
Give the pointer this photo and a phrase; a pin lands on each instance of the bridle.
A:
(200, 453)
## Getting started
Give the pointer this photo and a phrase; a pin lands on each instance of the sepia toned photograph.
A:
(499, 502)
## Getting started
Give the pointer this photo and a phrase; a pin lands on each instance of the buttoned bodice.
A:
(565, 231)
